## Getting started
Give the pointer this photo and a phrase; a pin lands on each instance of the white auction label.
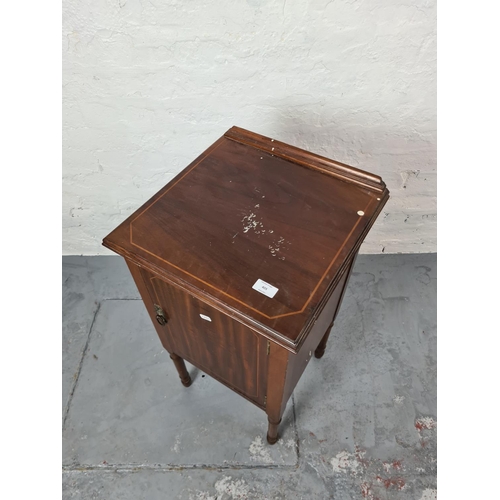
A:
(265, 288)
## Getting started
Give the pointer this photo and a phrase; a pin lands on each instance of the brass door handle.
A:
(161, 320)
(160, 315)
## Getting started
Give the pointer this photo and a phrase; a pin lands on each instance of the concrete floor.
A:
(361, 424)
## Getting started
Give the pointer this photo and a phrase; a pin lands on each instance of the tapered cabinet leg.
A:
(181, 368)
(275, 400)
(320, 350)
(272, 431)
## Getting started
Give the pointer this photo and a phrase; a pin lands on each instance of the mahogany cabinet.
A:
(243, 258)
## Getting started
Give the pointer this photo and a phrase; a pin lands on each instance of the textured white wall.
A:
(149, 84)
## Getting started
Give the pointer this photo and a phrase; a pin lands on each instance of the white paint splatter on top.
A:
(258, 452)
(250, 222)
(429, 494)
(277, 245)
(345, 462)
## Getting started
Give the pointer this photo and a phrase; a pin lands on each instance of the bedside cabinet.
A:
(243, 258)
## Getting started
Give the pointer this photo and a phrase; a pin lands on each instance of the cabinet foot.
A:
(188, 382)
(320, 350)
(181, 368)
(272, 432)
(318, 353)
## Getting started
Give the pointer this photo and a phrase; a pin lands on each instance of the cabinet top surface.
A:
(248, 209)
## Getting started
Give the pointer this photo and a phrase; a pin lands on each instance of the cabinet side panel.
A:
(298, 362)
(147, 299)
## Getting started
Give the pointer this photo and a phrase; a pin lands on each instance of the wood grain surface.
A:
(243, 212)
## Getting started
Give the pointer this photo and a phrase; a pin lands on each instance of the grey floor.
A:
(361, 423)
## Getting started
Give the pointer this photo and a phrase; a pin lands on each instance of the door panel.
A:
(212, 341)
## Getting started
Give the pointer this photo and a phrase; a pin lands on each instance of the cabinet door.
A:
(215, 343)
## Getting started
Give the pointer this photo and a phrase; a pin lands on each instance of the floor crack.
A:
(79, 369)
(119, 299)
(167, 467)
